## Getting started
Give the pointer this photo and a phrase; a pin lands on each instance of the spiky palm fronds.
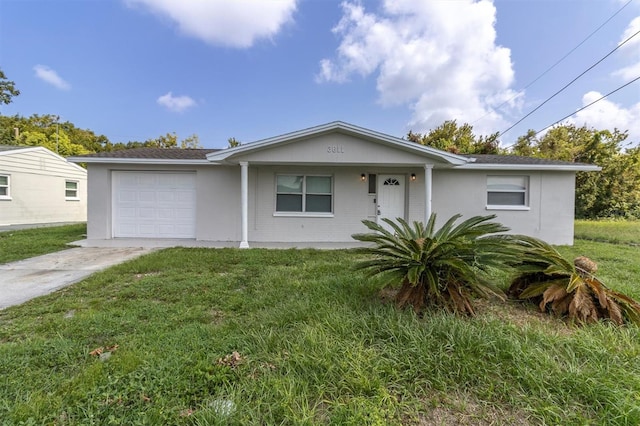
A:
(442, 267)
(567, 288)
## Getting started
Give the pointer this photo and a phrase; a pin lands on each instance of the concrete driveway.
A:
(26, 279)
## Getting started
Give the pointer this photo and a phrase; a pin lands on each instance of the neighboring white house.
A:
(38, 186)
(316, 186)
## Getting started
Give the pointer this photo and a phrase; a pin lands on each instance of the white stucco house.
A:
(315, 186)
(38, 186)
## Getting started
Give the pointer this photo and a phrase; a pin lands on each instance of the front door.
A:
(390, 198)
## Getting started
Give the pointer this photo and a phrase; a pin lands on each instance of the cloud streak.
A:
(237, 23)
(176, 103)
(51, 77)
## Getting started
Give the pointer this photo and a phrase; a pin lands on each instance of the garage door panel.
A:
(154, 205)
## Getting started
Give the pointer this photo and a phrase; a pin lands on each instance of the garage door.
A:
(154, 205)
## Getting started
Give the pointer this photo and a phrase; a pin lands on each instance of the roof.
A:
(515, 162)
(148, 155)
(227, 155)
(5, 148)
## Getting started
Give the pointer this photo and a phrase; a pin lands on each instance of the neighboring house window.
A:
(71, 190)
(5, 193)
(304, 194)
(507, 191)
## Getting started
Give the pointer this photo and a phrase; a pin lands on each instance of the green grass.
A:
(613, 231)
(316, 345)
(22, 244)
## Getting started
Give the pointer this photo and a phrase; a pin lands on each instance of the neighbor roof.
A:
(148, 155)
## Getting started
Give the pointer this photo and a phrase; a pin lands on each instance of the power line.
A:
(587, 106)
(569, 84)
(557, 62)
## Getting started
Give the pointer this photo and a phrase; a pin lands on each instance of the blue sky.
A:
(137, 69)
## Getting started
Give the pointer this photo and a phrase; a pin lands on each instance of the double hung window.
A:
(5, 192)
(71, 190)
(507, 191)
(304, 194)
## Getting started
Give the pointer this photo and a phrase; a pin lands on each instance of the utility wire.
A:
(569, 84)
(556, 63)
(587, 106)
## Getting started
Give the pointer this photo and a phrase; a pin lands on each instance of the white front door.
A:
(390, 198)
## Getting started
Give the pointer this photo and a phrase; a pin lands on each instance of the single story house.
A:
(39, 186)
(315, 186)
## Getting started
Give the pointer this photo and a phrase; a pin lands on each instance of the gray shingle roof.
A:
(517, 160)
(12, 147)
(155, 154)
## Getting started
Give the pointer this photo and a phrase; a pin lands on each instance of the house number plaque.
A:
(335, 149)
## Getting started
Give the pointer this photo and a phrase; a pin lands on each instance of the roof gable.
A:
(318, 134)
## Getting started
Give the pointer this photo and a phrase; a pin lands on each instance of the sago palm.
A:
(566, 288)
(441, 268)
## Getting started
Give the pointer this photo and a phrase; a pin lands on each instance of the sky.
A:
(134, 70)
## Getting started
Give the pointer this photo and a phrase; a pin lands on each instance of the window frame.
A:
(6, 196)
(525, 192)
(69, 197)
(303, 194)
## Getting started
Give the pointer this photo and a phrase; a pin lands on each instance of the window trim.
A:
(71, 198)
(6, 197)
(304, 193)
(514, 207)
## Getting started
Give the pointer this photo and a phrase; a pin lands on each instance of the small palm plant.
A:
(440, 268)
(567, 288)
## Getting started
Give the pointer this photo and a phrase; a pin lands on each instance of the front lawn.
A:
(227, 336)
(25, 243)
(613, 231)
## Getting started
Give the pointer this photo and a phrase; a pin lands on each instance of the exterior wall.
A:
(217, 199)
(37, 189)
(351, 204)
(334, 148)
(551, 202)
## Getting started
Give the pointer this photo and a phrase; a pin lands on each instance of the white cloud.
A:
(235, 23)
(438, 57)
(608, 115)
(50, 76)
(175, 103)
(631, 50)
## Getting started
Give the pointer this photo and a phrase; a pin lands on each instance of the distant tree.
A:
(233, 142)
(192, 142)
(169, 140)
(612, 192)
(7, 89)
(457, 139)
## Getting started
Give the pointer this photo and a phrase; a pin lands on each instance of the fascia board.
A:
(550, 167)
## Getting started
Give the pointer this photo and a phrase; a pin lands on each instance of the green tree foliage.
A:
(233, 142)
(612, 192)
(7, 89)
(457, 139)
(192, 142)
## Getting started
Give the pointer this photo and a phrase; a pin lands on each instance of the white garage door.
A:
(154, 205)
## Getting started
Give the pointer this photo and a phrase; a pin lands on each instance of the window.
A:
(4, 187)
(507, 191)
(71, 190)
(304, 194)
(372, 184)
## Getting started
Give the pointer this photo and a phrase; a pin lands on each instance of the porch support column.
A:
(244, 197)
(428, 182)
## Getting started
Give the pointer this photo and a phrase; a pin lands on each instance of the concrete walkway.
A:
(26, 279)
